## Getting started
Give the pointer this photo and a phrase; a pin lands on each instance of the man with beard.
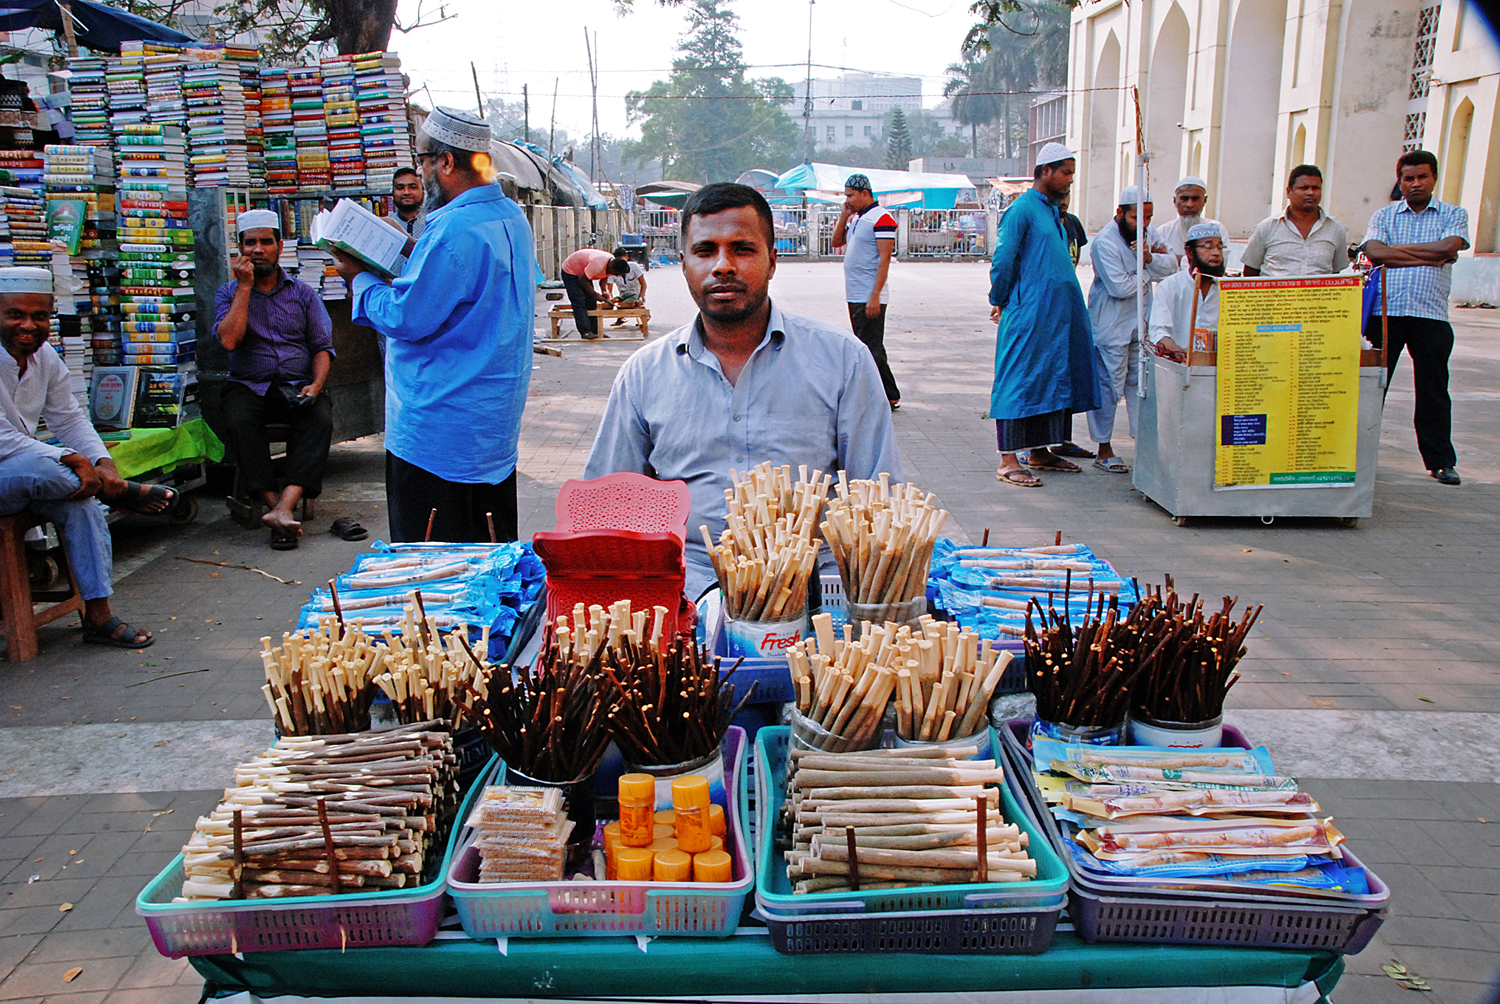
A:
(1188, 199)
(1046, 369)
(458, 327)
(1174, 318)
(407, 195)
(1112, 312)
(744, 383)
(280, 343)
(60, 483)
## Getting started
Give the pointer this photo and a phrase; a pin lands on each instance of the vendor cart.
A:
(1182, 428)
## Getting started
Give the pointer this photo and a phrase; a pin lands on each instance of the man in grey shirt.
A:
(744, 383)
(1302, 240)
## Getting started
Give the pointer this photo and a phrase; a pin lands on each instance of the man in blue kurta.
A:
(1046, 368)
(458, 328)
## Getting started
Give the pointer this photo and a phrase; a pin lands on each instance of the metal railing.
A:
(946, 233)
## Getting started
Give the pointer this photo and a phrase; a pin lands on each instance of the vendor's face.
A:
(1208, 256)
(729, 264)
(24, 321)
(407, 193)
(1417, 182)
(1128, 215)
(857, 199)
(263, 248)
(1189, 200)
(1306, 193)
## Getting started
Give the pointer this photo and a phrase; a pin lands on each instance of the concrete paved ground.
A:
(1374, 671)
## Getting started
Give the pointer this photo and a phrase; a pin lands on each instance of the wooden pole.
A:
(333, 860)
(430, 517)
(478, 101)
(67, 24)
(853, 858)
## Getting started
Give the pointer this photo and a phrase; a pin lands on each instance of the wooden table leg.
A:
(15, 597)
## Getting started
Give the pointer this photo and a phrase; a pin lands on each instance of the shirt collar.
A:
(1282, 216)
(473, 196)
(692, 343)
(1405, 207)
(873, 205)
(283, 280)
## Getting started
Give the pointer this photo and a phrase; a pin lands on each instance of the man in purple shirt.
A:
(280, 343)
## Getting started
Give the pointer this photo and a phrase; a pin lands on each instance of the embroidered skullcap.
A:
(1203, 231)
(25, 279)
(1132, 195)
(861, 182)
(257, 219)
(1191, 179)
(459, 130)
(1052, 153)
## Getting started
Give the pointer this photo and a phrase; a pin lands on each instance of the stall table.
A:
(746, 964)
(175, 457)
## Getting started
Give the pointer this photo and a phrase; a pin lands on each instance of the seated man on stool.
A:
(60, 483)
(280, 342)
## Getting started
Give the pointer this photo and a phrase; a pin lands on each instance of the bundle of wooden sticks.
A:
(335, 814)
(318, 679)
(768, 551)
(1187, 661)
(885, 819)
(882, 536)
(1084, 677)
(427, 674)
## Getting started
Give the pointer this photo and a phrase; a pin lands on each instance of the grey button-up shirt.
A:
(810, 394)
(1277, 247)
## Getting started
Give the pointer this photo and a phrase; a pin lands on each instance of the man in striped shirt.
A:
(1417, 240)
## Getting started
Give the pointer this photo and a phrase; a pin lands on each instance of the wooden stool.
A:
(240, 506)
(640, 315)
(16, 596)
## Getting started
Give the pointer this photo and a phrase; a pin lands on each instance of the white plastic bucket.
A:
(1177, 735)
(763, 639)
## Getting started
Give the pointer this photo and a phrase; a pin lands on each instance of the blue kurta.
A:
(458, 324)
(1044, 349)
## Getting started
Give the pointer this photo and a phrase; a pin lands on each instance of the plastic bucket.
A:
(710, 767)
(1176, 735)
(909, 612)
(763, 639)
(809, 735)
(980, 739)
(1089, 735)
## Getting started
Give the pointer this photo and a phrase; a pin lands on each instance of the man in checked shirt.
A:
(1417, 240)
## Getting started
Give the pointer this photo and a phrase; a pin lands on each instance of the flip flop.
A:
(144, 500)
(1071, 450)
(1019, 478)
(345, 528)
(1113, 465)
(1056, 463)
(109, 633)
(283, 542)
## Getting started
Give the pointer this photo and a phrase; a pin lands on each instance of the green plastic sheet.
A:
(192, 442)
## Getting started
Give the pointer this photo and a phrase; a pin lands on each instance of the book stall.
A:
(537, 771)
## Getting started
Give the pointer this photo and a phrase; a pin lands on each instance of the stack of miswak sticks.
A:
(885, 819)
(318, 679)
(882, 536)
(768, 551)
(942, 678)
(427, 674)
(333, 814)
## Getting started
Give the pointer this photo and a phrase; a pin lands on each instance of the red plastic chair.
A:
(618, 537)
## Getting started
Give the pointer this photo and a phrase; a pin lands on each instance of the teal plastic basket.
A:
(773, 891)
(610, 909)
(355, 920)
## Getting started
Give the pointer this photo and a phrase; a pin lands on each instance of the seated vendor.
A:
(630, 288)
(60, 483)
(745, 382)
(1173, 318)
(280, 342)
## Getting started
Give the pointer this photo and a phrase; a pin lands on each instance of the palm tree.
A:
(973, 88)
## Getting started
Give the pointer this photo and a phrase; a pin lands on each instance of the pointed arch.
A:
(1456, 156)
(1104, 119)
(1241, 196)
(1166, 96)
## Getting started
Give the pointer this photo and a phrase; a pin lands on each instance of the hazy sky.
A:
(537, 42)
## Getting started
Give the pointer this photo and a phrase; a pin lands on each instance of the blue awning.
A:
(94, 25)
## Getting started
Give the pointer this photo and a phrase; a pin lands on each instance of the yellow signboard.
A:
(1288, 382)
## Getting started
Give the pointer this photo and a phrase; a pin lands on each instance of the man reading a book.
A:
(280, 343)
(458, 328)
(60, 483)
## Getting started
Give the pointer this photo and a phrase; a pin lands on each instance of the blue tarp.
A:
(94, 24)
(937, 191)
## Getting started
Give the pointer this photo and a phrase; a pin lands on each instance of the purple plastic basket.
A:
(1104, 910)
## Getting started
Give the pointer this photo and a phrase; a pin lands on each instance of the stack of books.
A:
(247, 59)
(25, 168)
(341, 110)
(165, 104)
(125, 79)
(314, 169)
(218, 149)
(82, 223)
(90, 101)
(157, 262)
(381, 94)
(280, 133)
(25, 217)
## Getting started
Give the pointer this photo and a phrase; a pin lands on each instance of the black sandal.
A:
(345, 528)
(108, 633)
(140, 499)
(283, 541)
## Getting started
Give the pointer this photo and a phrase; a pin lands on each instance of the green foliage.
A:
(708, 122)
(897, 142)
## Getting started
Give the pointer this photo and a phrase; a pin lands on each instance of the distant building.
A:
(977, 169)
(850, 110)
(1048, 124)
(1240, 91)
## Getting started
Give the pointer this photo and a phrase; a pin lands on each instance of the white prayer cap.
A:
(25, 279)
(1203, 231)
(1132, 195)
(1191, 179)
(257, 219)
(459, 130)
(1052, 153)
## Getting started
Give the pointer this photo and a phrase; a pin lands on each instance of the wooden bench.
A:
(640, 315)
(17, 600)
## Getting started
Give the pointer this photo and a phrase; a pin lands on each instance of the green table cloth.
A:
(610, 968)
(192, 442)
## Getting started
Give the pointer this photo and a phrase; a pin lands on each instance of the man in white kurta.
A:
(1188, 199)
(1188, 301)
(1112, 312)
